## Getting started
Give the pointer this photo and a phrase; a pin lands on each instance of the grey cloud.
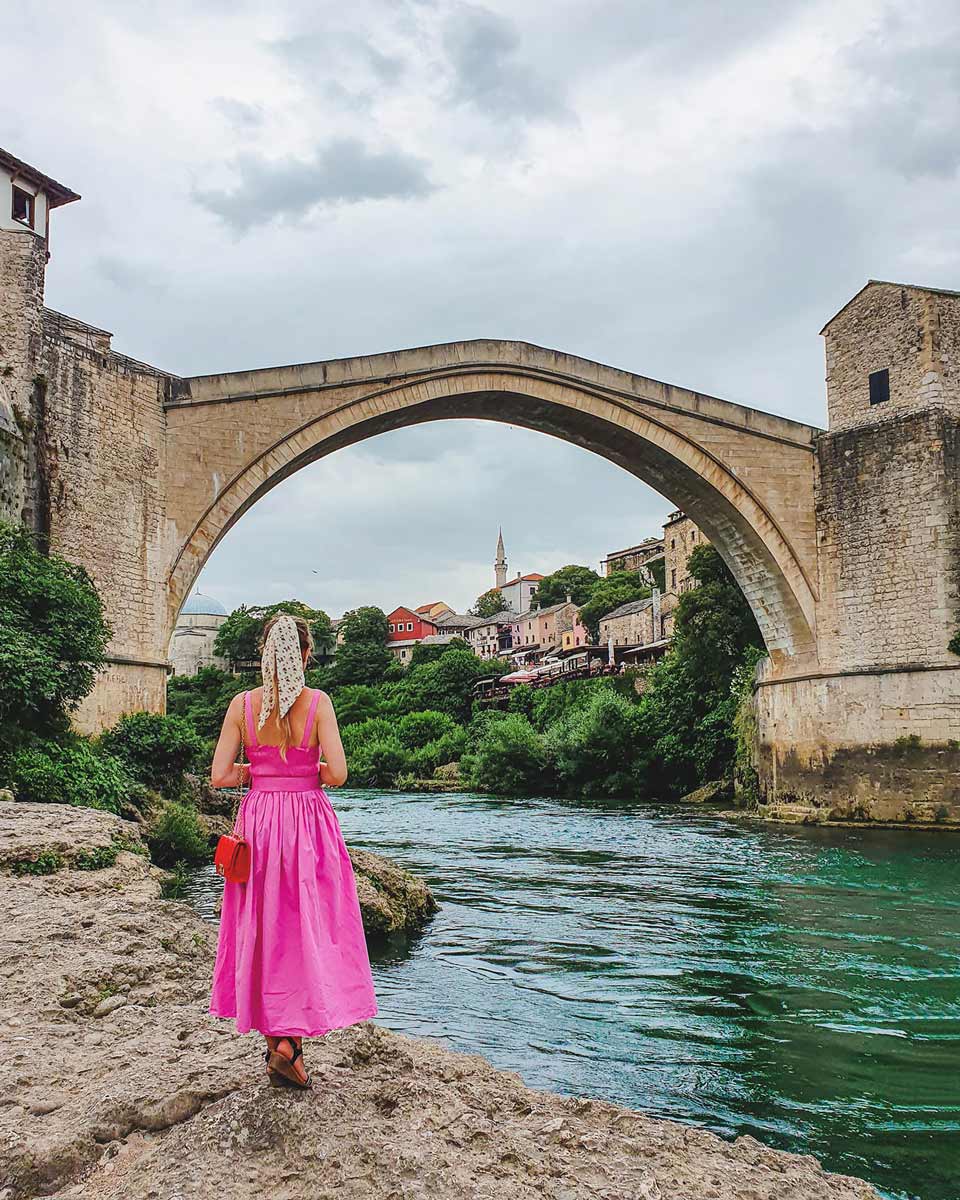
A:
(342, 172)
(128, 276)
(324, 52)
(910, 122)
(239, 113)
(489, 73)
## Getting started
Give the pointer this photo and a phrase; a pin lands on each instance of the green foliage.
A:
(446, 685)
(489, 604)
(174, 887)
(73, 772)
(379, 762)
(239, 637)
(203, 699)
(52, 636)
(446, 749)
(176, 836)
(363, 657)
(422, 653)
(576, 582)
(358, 702)
(44, 863)
(621, 587)
(510, 759)
(744, 727)
(689, 707)
(593, 747)
(416, 729)
(156, 750)
(357, 737)
(954, 644)
(97, 859)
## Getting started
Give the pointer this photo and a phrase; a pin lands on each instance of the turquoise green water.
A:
(799, 985)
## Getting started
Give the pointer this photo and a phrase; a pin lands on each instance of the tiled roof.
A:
(457, 621)
(627, 610)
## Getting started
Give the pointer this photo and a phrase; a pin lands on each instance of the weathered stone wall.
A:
(888, 517)
(911, 332)
(105, 464)
(882, 746)
(22, 266)
(681, 537)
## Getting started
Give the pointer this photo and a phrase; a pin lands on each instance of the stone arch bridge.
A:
(745, 477)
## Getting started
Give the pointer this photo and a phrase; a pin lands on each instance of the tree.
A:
(489, 604)
(688, 710)
(423, 653)
(362, 656)
(510, 759)
(447, 684)
(576, 582)
(241, 634)
(53, 635)
(609, 593)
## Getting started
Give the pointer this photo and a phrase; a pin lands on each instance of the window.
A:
(390, 627)
(673, 543)
(879, 386)
(403, 654)
(673, 578)
(410, 627)
(23, 206)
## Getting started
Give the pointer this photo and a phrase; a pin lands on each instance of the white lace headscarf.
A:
(282, 667)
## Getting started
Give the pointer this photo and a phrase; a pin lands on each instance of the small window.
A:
(673, 578)
(409, 627)
(879, 386)
(673, 543)
(390, 627)
(23, 206)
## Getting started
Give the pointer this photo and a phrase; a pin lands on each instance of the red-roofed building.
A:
(517, 593)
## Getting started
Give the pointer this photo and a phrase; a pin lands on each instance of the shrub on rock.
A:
(75, 772)
(176, 835)
(157, 750)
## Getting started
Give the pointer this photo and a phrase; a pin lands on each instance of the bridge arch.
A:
(744, 477)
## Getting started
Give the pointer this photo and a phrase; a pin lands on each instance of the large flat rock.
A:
(119, 1084)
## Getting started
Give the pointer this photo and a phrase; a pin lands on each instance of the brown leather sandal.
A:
(280, 1069)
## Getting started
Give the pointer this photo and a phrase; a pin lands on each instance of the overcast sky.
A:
(687, 189)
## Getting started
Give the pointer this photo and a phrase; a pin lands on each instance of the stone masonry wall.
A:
(888, 515)
(105, 461)
(914, 333)
(680, 538)
(22, 267)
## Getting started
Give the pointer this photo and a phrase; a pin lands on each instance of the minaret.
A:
(500, 566)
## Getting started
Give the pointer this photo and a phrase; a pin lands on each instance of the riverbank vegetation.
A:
(657, 735)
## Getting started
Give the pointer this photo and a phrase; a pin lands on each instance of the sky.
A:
(688, 190)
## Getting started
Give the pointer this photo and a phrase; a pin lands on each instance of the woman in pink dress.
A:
(292, 958)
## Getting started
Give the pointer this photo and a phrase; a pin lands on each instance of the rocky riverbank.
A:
(118, 1083)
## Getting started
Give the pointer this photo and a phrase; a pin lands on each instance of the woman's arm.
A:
(333, 769)
(225, 771)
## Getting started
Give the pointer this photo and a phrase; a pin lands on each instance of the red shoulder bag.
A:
(232, 857)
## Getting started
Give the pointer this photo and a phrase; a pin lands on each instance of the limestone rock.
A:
(392, 900)
(716, 792)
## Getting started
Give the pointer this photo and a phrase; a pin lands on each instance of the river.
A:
(798, 984)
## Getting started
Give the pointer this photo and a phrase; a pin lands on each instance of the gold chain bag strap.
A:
(232, 857)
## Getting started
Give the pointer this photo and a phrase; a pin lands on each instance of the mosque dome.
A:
(199, 605)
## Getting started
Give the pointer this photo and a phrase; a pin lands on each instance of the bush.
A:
(176, 836)
(357, 702)
(75, 772)
(438, 753)
(379, 763)
(510, 759)
(593, 749)
(417, 729)
(52, 636)
(203, 699)
(157, 750)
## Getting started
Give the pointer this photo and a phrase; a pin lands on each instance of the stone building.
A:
(634, 558)
(680, 538)
(542, 629)
(518, 593)
(191, 646)
(639, 622)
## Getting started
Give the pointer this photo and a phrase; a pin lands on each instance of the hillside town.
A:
(540, 642)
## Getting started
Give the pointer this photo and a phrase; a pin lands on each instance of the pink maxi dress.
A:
(292, 957)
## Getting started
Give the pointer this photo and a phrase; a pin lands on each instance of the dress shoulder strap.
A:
(311, 717)
(248, 714)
